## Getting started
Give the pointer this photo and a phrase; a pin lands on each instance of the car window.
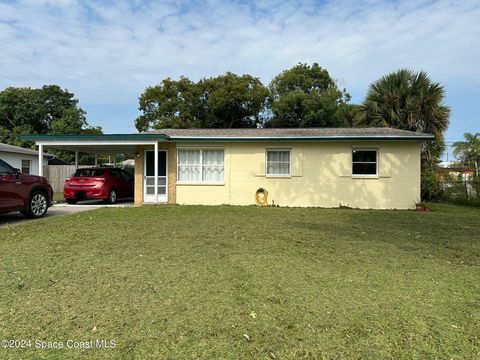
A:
(116, 173)
(88, 173)
(126, 176)
(5, 168)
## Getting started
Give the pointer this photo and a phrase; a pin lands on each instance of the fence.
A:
(463, 191)
(57, 174)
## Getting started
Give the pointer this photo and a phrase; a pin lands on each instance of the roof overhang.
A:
(127, 143)
(97, 144)
(299, 138)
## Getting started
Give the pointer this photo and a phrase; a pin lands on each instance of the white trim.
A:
(289, 149)
(365, 176)
(155, 171)
(40, 160)
(200, 183)
(144, 177)
(200, 147)
(90, 142)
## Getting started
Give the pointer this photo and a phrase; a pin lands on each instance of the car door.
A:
(118, 182)
(10, 189)
(128, 178)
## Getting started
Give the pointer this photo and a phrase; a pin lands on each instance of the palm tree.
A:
(468, 151)
(409, 100)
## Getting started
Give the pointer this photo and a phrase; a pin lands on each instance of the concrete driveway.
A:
(58, 210)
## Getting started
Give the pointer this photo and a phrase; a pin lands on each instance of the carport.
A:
(109, 144)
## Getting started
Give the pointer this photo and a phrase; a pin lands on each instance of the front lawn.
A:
(188, 282)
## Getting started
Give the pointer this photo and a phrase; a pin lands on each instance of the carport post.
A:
(76, 159)
(40, 160)
(155, 171)
(96, 160)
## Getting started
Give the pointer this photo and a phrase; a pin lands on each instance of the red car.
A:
(108, 184)
(31, 195)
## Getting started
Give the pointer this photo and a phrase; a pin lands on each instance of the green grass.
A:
(194, 282)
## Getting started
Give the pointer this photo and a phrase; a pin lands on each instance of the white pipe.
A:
(155, 171)
(40, 160)
(76, 159)
(96, 160)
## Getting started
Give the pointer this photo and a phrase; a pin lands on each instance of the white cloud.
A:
(107, 52)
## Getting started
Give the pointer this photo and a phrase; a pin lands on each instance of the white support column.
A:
(155, 171)
(40, 160)
(76, 159)
(96, 160)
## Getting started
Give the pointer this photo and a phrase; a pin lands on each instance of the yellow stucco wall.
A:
(321, 176)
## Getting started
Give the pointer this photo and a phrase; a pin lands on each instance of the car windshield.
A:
(88, 173)
(5, 168)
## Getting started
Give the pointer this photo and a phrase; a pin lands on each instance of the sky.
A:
(108, 52)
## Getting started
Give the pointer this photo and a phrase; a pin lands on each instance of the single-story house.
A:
(327, 167)
(24, 159)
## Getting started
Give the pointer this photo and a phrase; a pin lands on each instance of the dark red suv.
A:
(31, 195)
(108, 184)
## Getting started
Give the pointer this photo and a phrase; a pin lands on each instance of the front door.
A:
(149, 176)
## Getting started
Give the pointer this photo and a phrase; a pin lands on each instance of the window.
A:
(364, 162)
(200, 166)
(25, 166)
(126, 175)
(278, 162)
(116, 173)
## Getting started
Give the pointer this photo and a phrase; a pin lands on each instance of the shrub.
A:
(432, 188)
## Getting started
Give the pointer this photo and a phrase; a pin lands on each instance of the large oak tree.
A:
(225, 101)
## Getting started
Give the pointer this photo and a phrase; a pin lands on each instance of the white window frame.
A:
(377, 152)
(289, 162)
(200, 182)
(29, 166)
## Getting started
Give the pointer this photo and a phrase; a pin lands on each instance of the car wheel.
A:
(37, 205)
(71, 201)
(112, 198)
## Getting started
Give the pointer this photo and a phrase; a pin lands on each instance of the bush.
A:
(432, 188)
(448, 188)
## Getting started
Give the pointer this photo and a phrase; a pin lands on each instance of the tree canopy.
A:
(411, 101)
(46, 110)
(468, 151)
(303, 96)
(306, 96)
(225, 101)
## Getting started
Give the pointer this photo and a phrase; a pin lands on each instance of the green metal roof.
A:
(103, 137)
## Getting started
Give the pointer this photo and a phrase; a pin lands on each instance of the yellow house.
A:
(375, 168)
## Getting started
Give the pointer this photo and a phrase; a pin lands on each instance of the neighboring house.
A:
(24, 159)
(328, 167)
(457, 173)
